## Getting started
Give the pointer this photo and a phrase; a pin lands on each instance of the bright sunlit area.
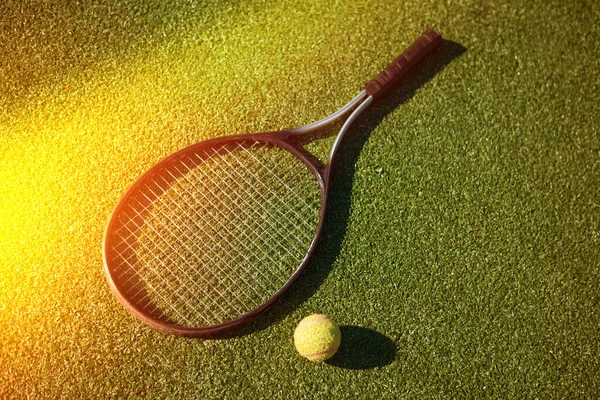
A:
(460, 252)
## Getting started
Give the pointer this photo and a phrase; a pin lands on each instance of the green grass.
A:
(462, 254)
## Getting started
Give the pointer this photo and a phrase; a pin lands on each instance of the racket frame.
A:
(284, 139)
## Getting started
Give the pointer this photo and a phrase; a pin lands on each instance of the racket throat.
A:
(326, 170)
(347, 125)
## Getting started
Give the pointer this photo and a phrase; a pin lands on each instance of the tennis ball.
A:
(317, 337)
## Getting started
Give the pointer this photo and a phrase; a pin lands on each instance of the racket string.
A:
(156, 291)
(244, 304)
(177, 225)
(174, 262)
(216, 242)
(269, 217)
(261, 164)
(309, 233)
(213, 235)
(250, 301)
(238, 216)
(243, 221)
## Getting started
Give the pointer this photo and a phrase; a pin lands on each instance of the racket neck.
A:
(357, 111)
(345, 110)
(351, 110)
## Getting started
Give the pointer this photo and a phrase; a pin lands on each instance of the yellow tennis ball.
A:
(317, 337)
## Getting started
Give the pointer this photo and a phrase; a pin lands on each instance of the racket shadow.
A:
(343, 172)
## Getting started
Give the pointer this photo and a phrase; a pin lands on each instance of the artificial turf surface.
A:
(462, 251)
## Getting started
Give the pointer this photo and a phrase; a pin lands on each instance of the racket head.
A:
(168, 256)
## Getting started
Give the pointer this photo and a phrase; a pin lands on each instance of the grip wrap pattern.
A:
(428, 42)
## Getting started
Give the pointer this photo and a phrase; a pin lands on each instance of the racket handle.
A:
(428, 42)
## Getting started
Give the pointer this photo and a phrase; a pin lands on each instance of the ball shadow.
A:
(363, 348)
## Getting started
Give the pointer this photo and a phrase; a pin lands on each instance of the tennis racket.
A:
(214, 234)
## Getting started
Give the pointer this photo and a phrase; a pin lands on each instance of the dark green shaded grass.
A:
(464, 223)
